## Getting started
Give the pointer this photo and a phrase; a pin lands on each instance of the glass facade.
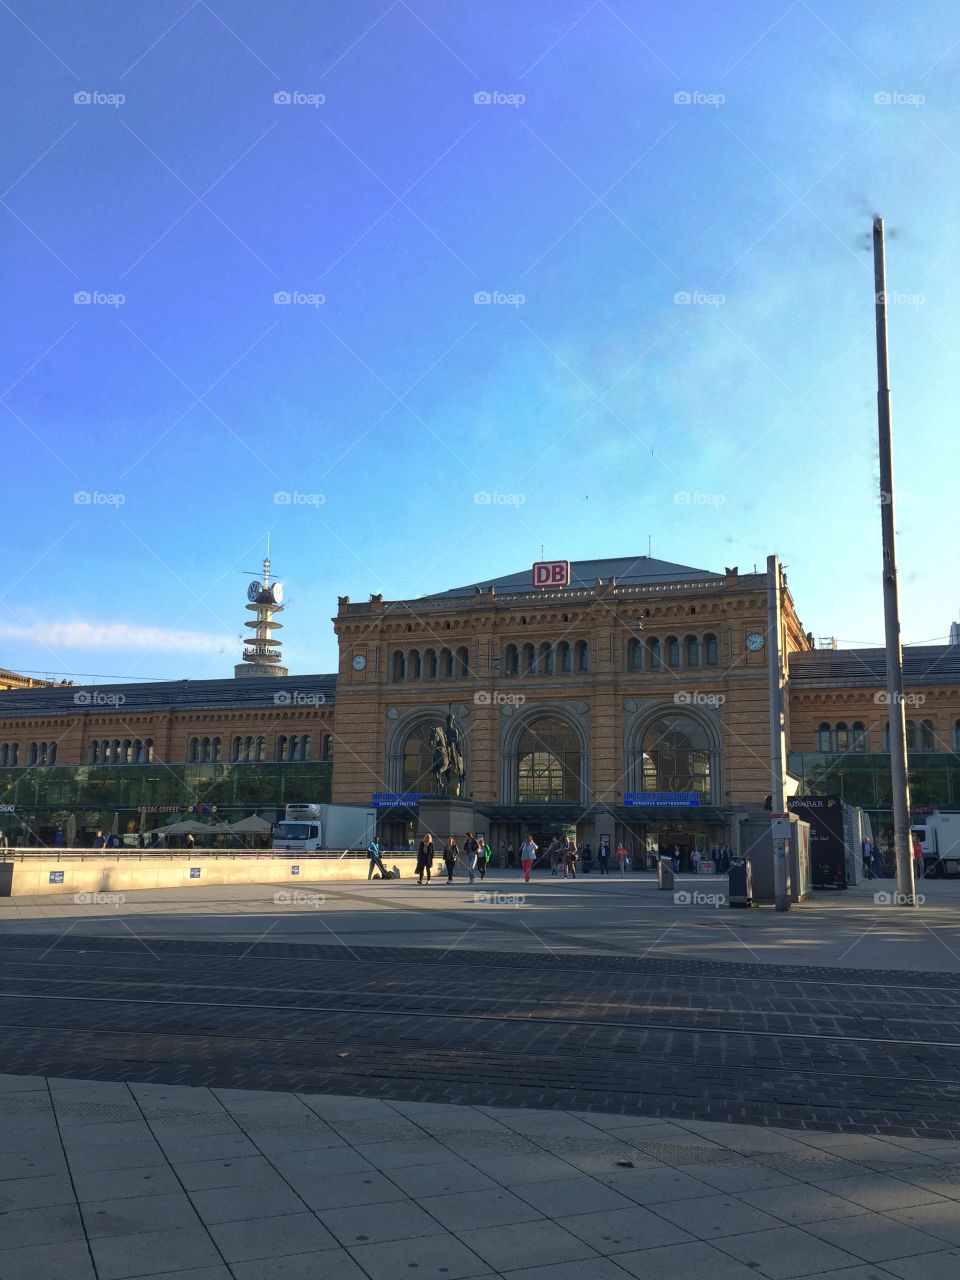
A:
(95, 792)
(863, 779)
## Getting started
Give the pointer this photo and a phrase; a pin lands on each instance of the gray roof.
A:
(922, 665)
(629, 571)
(167, 695)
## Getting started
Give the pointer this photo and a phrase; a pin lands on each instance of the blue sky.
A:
(626, 154)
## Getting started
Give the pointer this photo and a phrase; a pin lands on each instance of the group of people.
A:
(873, 868)
(476, 856)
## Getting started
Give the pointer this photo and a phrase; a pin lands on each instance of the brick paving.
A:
(849, 1050)
(104, 1180)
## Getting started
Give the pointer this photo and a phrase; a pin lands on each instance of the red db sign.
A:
(551, 573)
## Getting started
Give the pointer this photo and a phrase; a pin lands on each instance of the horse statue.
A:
(447, 767)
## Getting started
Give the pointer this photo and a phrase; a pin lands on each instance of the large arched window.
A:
(711, 650)
(843, 736)
(581, 656)
(430, 664)
(529, 659)
(564, 656)
(858, 736)
(446, 663)
(194, 753)
(463, 662)
(511, 660)
(634, 654)
(911, 736)
(825, 738)
(417, 758)
(546, 659)
(692, 651)
(398, 665)
(673, 652)
(676, 755)
(548, 763)
(928, 736)
(326, 749)
(654, 654)
(281, 747)
(414, 668)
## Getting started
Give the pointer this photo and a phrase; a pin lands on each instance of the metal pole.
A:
(778, 793)
(906, 886)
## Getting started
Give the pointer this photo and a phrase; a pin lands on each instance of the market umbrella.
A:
(252, 826)
(70, 834)
(115, 825)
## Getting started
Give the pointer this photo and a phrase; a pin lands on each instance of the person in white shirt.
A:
(528, 856)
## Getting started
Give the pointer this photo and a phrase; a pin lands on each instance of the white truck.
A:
(939, 837)
(310, 828)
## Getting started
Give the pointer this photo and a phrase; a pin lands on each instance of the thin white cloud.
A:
(80, 634)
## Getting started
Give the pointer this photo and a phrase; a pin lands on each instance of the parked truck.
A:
(310, 828)
(938, 834)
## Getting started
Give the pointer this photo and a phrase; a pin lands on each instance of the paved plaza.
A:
(589, 1078)
(112, 1180)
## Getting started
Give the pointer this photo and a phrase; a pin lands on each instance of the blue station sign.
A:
(395, 799)
(662, 799)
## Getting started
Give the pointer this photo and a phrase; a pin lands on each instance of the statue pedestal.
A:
(446, 816)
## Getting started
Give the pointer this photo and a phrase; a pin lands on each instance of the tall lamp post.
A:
(906, 885)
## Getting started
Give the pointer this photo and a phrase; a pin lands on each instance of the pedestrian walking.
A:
(876, 859)
(621, 856)
(695, 862)
(675, 859)
(451, 851)
(553, 853)
(917, 858)
(603, 858)
(425, 858)
(528, 856)
(373, 851)
(471, 853)
(570, 858)
(483, 855)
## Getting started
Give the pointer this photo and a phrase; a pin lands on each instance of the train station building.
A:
(631, 701)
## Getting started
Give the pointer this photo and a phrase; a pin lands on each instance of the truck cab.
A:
(297, 836)
(939, 838)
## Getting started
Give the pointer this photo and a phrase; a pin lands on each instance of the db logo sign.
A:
(551, 573)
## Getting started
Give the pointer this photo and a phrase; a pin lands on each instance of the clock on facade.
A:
(359, 662)
(754, 641)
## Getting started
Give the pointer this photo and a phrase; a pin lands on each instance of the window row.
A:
(854, 737)
(432, 664)
(120, 751)
(673, 652)
(545, 659)
(9, 754)
(251, 749)
(41, 753)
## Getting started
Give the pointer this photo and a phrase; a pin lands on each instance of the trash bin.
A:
(665, 874)
(740, 884)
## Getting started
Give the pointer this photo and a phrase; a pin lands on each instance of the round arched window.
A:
(548, 763)
(676, 756)
(418, 758)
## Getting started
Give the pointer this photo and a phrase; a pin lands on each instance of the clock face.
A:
(755, 641)
(253, 591)
(277, 590)
(359, 662)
